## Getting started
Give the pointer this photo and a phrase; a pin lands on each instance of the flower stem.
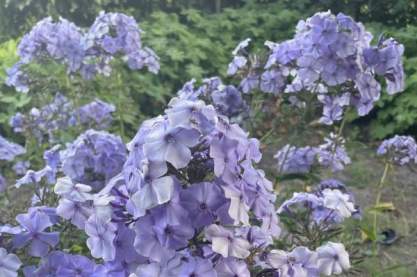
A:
(377, 202)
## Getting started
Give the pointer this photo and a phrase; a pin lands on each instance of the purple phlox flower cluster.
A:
(33, 231)
(116, 33)
(91, 162)
(9, 150)
(45, 121)
(48, 172)
(329, 204)
(333, 107)
(226, 99)
(87, 52)
(328, 259)
(385, 60)
(96, 113)
(61, 114)
(189, 173)
(88, 164)
(399, 150)
(93, 158)
(9, 264)
(331, 154)
(329, 54)
(295, 160)
(92, 213)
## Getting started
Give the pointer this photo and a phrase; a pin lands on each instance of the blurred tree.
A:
(18, 16)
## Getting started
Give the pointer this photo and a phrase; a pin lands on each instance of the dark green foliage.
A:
(393, 13)
(18, 16)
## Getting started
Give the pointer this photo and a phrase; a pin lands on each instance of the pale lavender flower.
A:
(77, 212)
(299, 262)
(9, 264)
(295, 160)
(332, 258)
(226, 243)
(97, 113)
(332, 154)
(101, 235)
(171, 145)
(400, 150)
(340, 202)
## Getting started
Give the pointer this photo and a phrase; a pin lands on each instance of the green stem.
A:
(377, 202)
(120, 107)
(342, 126)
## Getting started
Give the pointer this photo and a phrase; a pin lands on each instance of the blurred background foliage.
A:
(194, 39)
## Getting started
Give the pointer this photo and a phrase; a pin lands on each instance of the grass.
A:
(362, 176)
